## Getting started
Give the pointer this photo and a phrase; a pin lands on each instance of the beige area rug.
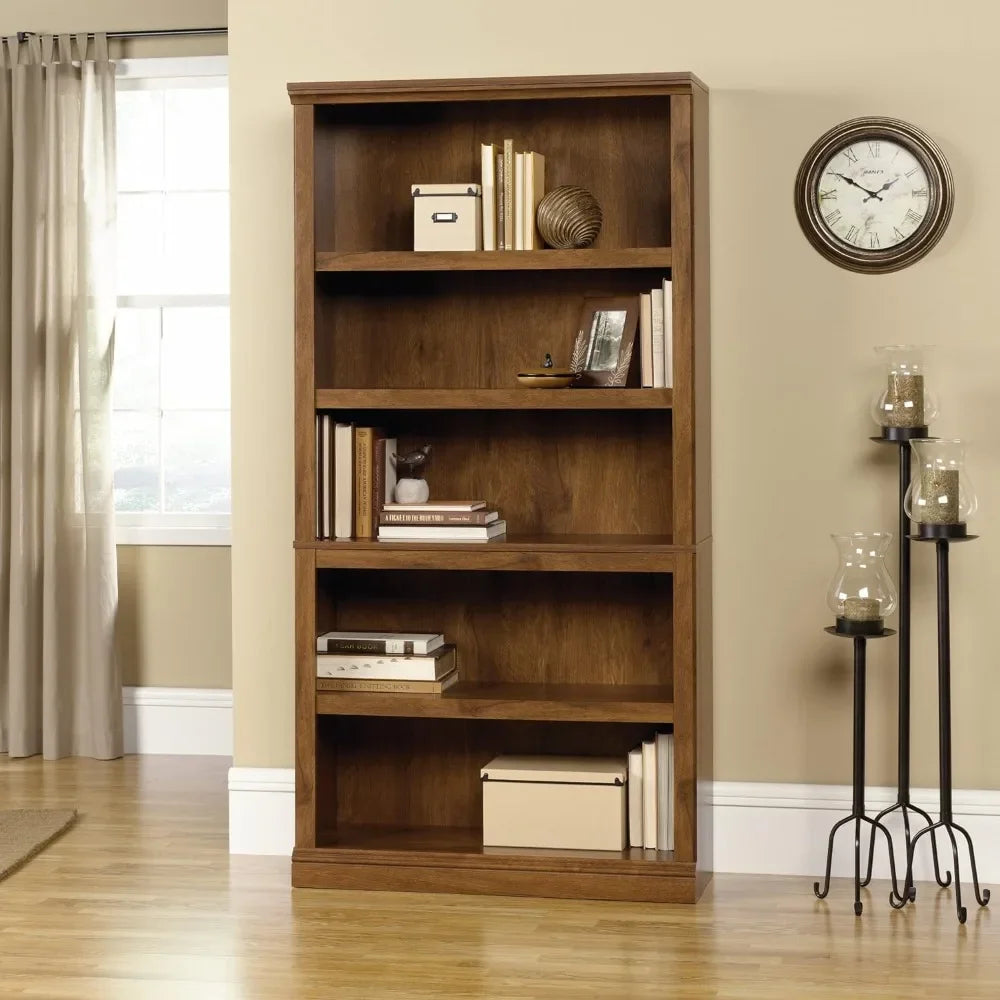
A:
(26, 832)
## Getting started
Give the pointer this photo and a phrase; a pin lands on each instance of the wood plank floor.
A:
(141, 900)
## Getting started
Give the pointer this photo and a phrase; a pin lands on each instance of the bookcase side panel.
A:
(306, 791)
(685, 710)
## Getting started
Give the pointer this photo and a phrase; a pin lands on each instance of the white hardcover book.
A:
(380, 643)
(519, 201)
(387, 668)
(441, 533)
(664, 792)
(439, 506)
(534, 189)
(526, 226)
(649, 794)
(635, 797)
(343, 458)
(489, 156)
(326, 432)
(656, 311)
(318, 462)
(646, 339)
(390, 469)
(668, 334)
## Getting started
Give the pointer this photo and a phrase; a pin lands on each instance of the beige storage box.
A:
(568, 803)
(447, 217)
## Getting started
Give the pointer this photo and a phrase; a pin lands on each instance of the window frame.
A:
(161, 527)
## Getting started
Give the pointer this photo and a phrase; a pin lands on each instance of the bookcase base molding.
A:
(588, 629)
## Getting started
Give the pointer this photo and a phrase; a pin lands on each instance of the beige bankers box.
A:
(575, 803)
(447, 217)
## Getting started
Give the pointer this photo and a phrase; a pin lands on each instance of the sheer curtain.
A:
(60, 687)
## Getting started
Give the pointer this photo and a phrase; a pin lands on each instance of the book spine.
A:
(489, 196)
(508, 194)
(378, 479)
(649, 794)
(519, 201)
(343, 475)
(318, 459)
(663, 791)
(668, 333)
(658, 352)
(414, 520)
(385, 647)
(501, 190)
(383, 687)
(379, 668)
(646, 338)
(363, 526)
(635, 797)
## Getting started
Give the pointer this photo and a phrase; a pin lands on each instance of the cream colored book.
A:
(519, 201)
(489, 153)
(386, 687)
(534, 188)
(635, 797)
(668, 334)
(646, 339)
(649, 794)
(664, 791)
(508, 194)
(659, 378)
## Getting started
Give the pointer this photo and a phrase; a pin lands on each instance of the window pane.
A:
(140, 244)
(136, 376)
(136, 454)
(196, 461)
(197, 147)
(197, 243)
(140, 140)
(195, 359)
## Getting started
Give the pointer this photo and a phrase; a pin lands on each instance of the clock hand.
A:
(884, 187)
(871, 194)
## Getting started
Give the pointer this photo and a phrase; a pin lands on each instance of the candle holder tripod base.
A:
(947, 820)
(857, 814)
(902, 436)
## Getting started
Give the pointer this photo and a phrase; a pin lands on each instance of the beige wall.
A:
(792, 337)
(174, 623)
(174, 616)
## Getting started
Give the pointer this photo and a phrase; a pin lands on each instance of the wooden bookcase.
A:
(591, 625)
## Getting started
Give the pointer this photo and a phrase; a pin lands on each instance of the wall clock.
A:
(874, 194)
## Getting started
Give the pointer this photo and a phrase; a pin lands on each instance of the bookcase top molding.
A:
(495, 88)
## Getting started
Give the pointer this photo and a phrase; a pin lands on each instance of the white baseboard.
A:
(779, 829)
(195, 721)
(261, 810)
(759, 828)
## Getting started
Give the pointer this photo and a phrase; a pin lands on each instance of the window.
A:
(170, 421)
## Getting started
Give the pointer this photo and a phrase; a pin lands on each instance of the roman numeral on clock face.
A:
(912, 171)
(920, 193)
(873, 243)
(852, 234)
(912, 216)
(874, 149)
(899, 235)
(852, 157)
(830, 195)
(832, 218)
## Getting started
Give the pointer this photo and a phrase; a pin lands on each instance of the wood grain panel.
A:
(566, 628)
(702, 319)
(305, 293)
(609, 146)
(704, 685)
(305, 699)
(461, 330)
(685, 711)
(495, 882)
(425, 772)
(519, 398)
(545, 259)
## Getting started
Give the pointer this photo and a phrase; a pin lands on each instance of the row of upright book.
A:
(385, 662)
(651, 793)
(656, 337)
(513, 184)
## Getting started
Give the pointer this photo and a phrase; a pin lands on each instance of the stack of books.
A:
(651, 794)
(385, 662)
(513, 185)
(354, 478)
(440, 521)
(656, 337)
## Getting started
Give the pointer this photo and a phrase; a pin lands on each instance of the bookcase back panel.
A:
(367, 156)
(455, 330)
(547, 472)
(556, 628)
(425, 772)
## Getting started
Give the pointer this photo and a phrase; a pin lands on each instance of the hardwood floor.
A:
(141, 900)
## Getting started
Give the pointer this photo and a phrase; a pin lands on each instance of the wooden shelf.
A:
(494, 399)
(568, 553)
(495, 260)
(527, 702)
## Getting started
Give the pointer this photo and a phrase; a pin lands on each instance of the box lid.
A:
(436, 190)
(575, 770)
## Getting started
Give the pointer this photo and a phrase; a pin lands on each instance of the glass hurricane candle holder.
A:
(940, 499)
(862, 593)
(903, 405)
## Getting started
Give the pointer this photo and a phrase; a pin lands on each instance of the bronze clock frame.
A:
(940, 202)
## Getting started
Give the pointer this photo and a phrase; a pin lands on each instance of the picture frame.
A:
(604, 348)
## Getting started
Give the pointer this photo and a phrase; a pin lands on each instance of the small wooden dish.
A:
(546, 378)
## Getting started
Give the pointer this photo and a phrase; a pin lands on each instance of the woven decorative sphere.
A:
(569, 218)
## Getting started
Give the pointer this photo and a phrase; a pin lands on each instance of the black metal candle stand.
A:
(844, 630)
(943, 540)
(902, 436)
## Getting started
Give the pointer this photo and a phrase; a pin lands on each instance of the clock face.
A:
(872, 194)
